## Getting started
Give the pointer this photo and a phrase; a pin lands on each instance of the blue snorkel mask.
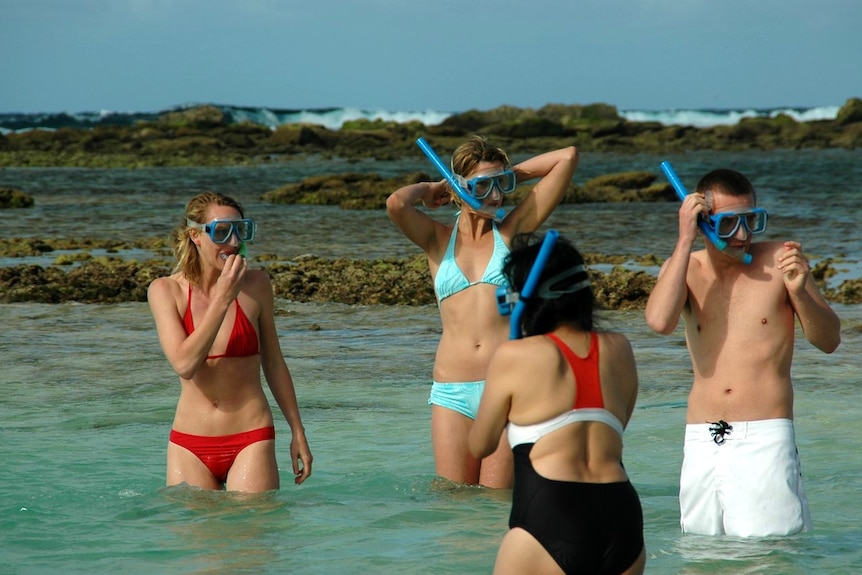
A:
(220, 231)
(481, 185)
(726, 224)
(510, 302)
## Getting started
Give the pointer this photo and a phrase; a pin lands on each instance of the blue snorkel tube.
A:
(532, 282)
(710, 234)
(456, 185)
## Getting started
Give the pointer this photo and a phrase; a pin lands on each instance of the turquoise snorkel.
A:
(707, 230)
(453, 181)
(530, 285)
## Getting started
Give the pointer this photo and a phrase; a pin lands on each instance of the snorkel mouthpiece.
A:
(707, 230)
(456, 183)
(242, 251)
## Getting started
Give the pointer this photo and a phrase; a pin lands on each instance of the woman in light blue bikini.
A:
(466, 259)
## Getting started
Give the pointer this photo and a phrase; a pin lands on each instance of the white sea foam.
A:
(334, 118)
(707, 118)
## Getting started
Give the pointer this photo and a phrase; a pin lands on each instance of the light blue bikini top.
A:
(450, 279)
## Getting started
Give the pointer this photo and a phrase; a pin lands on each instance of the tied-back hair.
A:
(726, 181)
(186, 252)
(470, 154)
(542, 314)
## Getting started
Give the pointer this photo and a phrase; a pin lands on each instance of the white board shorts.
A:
(749, 486)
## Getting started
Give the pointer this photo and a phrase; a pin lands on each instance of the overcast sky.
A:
(444, 55)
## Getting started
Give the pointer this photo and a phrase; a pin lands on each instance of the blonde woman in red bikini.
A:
(216, 326)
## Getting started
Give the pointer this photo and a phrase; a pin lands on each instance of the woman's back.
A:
(574, 422)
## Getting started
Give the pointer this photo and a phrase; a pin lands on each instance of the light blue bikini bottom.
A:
(461, 397)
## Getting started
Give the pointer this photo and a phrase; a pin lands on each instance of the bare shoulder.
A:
(258, 284)
(514, 349)
(534, 359)
(532, 350)
(256, 276)
(615, 344)
(166, 286)
(614, 339)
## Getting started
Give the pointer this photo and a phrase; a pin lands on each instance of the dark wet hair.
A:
(726, 181)
(541, 314)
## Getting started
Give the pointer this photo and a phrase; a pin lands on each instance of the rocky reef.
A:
(369, 191)
(307, 279)
(203, 136)
(391, 281)
(76, 275)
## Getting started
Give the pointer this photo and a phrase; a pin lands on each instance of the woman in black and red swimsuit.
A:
(564, 393)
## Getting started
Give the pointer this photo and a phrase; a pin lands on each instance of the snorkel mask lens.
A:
(480, 187)
(726, 224)
(220, 231)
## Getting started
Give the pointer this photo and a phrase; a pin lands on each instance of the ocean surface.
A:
(87, 396)
(334, 118)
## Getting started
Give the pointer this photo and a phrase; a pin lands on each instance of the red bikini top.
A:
(586, 370)
(243, 339)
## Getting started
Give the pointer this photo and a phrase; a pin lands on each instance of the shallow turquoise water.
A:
(88, 399)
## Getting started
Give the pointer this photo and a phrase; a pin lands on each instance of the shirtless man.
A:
(740, 472)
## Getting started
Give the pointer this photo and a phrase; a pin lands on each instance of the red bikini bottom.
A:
(219, 452)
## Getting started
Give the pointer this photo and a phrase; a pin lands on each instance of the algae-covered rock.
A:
(22, 247)
(622, 289)
(369, 191)
(850, 112)
(301, 135)
(349, 191)
(526, 128)
(626, 187)
(370, 282)
(12, 198)
(388, 281)
(198, 117)
(95, 281)
(849, 292)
